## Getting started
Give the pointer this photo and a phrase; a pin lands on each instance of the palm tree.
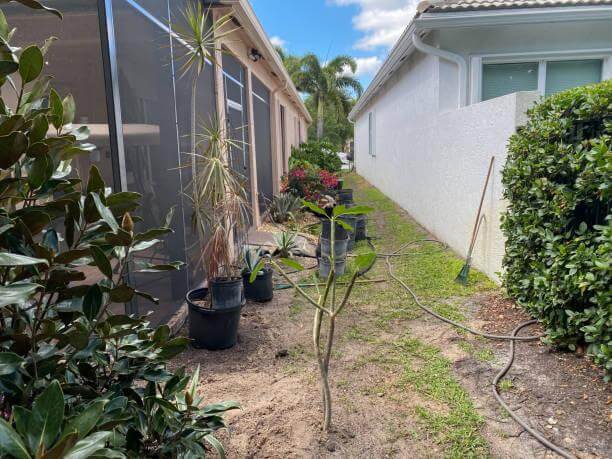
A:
(329, 85)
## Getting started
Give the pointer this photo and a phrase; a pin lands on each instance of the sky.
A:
(363, 29)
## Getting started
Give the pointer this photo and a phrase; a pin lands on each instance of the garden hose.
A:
(513, 338)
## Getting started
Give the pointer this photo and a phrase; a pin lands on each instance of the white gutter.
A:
(442, 53)
(449, 19)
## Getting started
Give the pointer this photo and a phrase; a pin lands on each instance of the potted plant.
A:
(261, 289)
(220, 211)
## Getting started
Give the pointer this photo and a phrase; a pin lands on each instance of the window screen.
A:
(562, 75)
(501, 79)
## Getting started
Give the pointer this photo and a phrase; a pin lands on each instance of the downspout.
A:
(456, 58)
(279, 154)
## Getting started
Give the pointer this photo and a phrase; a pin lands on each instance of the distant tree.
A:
(291, 62)
(337, 128)
(330, 85)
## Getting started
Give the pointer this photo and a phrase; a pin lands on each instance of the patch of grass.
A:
(479, 353)
(356, 333)
(427, 371)
(505, 385)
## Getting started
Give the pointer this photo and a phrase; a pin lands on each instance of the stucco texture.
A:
(435, 166)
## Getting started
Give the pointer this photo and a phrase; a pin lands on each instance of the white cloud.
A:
(380, 21)
(277, 41)
(366, 66)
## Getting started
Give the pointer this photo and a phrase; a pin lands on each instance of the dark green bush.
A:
(320, 154)
(76, 379)
(558, 223)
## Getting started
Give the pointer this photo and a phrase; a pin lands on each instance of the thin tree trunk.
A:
(320, 118)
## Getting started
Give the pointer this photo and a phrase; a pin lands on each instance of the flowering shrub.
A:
(309, 182)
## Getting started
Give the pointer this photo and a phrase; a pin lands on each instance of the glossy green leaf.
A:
(105, 213)
(39, 129)
(61, 448)
(12, 146)
(365, 260)
(95, 184)
(11, 443)
(34, 4)
(316, 209)
(122, 294)
(101, 261)
(86, 447)
(57, 109)
(9, 363)
(92, 302)
(85, 421)
(292, 264)
(41, 170)
(68, 110)
(16, 293)
(147, 296)
(357, 210)
(13, 259)
(159, 268)
(48, 413)
(30, 64)
(258, 267)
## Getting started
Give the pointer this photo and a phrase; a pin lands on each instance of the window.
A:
(546, 76)
(562, 75)
(501, 79)
(371, 134)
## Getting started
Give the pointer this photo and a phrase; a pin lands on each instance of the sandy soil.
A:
(271, 373)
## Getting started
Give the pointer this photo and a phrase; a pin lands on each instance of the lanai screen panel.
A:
(75, 63)
(151, 144)
(237, 118)
(263, 142)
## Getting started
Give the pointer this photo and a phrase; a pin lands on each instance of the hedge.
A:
(558, 222)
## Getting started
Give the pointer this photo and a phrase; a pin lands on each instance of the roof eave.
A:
(428, 21)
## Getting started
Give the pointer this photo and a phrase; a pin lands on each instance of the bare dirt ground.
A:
(404, 385)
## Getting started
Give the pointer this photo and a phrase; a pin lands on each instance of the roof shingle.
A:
(478, 5)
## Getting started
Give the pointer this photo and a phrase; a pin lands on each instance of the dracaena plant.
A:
(76, 379)
(327, 304)
(219, 200)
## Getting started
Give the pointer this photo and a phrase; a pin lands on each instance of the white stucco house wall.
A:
(454, 88)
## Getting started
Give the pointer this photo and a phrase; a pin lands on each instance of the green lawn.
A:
(430, 270)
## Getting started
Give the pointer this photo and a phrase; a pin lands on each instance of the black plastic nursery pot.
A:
(261, 289)
(360, 228)
(340, 184)
(351, 220)
(345, 196)
(226, 292)
(211, 329)
(340, 232)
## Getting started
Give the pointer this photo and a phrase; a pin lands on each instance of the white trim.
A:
(542, 76)
(605, 55)
(475, 79)
(444, 20)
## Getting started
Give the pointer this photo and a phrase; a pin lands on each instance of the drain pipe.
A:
(456, 58)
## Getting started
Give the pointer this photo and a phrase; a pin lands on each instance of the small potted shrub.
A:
(261, 290)
(220, 210)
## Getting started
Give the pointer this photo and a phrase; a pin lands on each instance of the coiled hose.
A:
(513, 338)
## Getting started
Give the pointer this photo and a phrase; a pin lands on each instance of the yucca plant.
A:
(284, 206)
(285, 243)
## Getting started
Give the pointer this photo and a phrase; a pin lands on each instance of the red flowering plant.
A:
(309, 182)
